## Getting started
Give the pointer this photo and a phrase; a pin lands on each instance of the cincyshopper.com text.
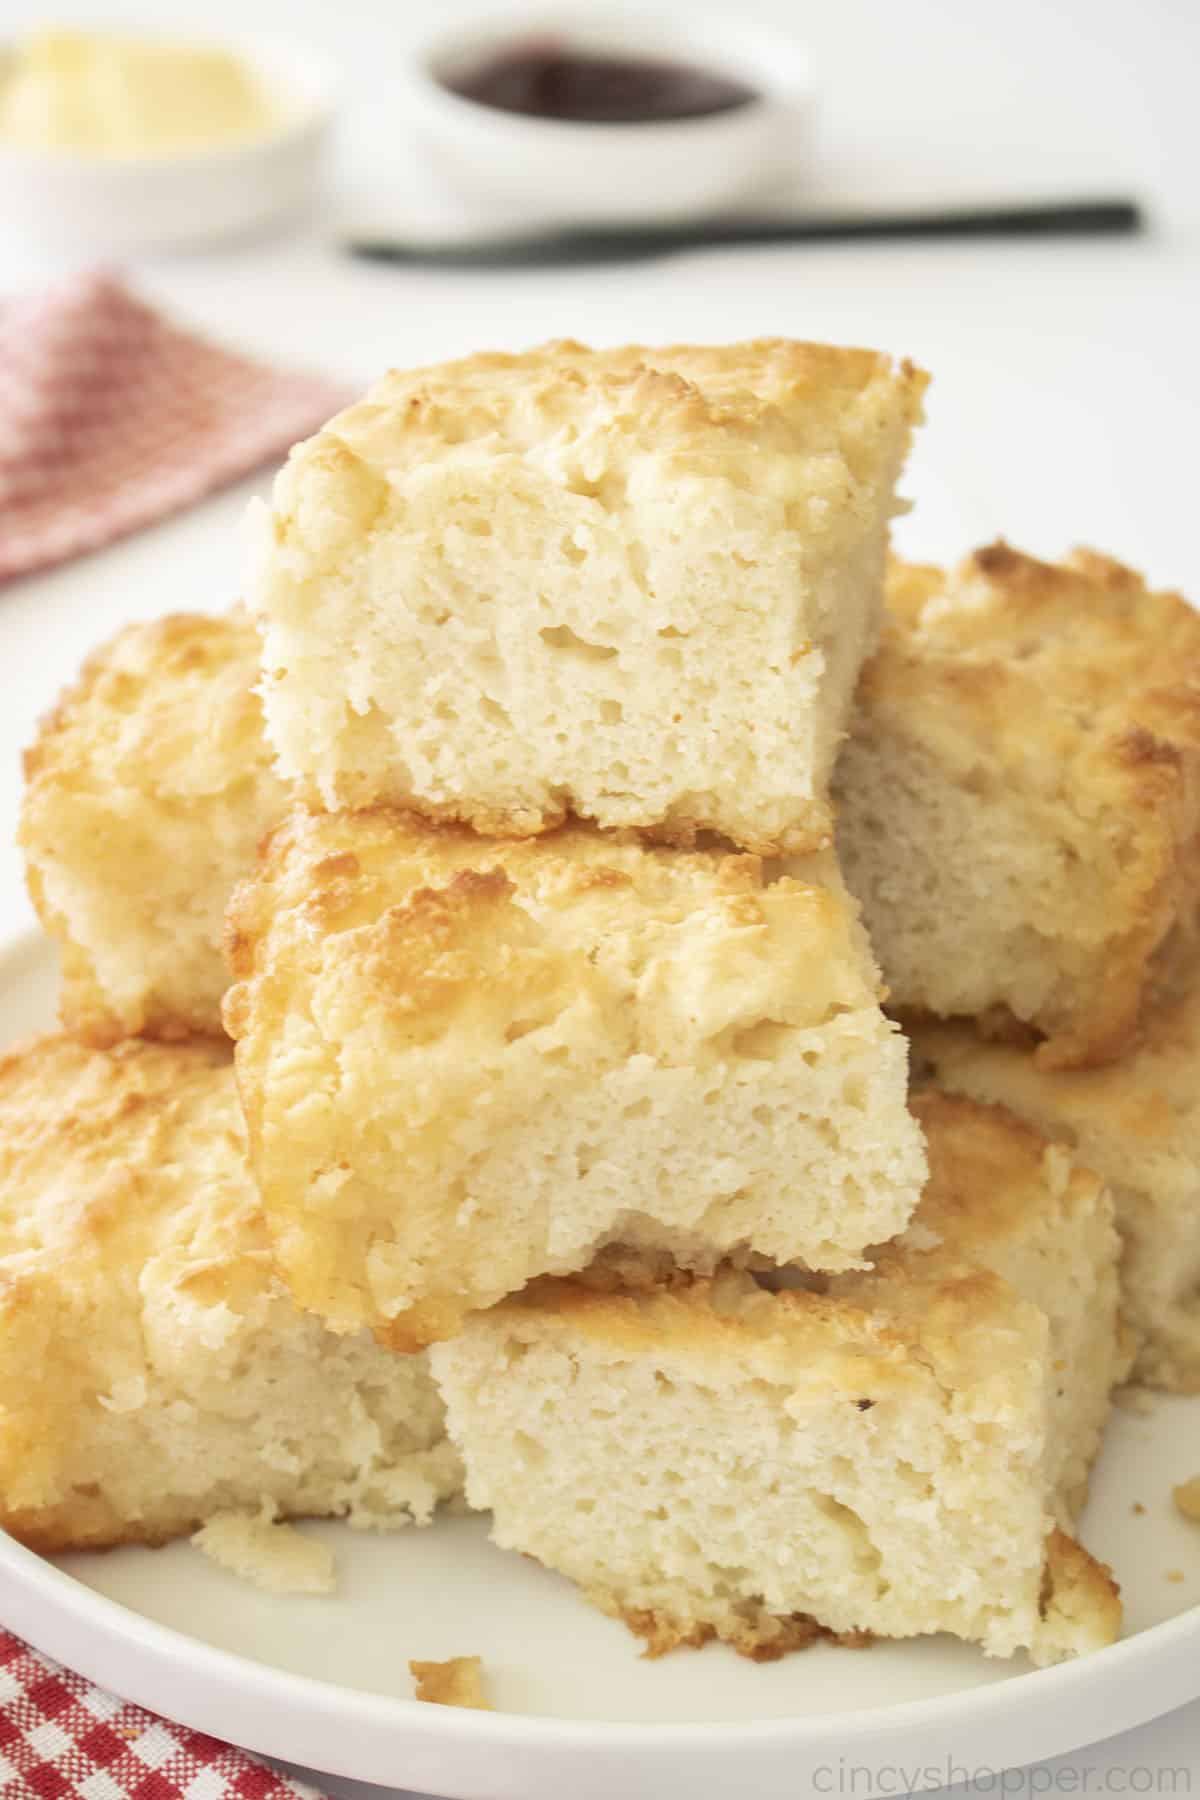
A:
(843, 1780)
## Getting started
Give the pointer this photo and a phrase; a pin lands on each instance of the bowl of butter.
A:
(114, 142)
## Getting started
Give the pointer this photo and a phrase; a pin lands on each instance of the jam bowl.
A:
(595, 119)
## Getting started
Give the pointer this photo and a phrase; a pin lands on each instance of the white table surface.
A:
(1067, 380)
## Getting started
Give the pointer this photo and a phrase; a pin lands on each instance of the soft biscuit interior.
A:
(636, 585)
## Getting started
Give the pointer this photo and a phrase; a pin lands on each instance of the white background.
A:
(1066, 399)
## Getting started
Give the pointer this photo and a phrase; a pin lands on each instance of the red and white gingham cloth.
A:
(111, 417)
(63, 1739)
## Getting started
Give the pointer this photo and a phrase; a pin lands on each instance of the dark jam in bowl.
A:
(550, 81)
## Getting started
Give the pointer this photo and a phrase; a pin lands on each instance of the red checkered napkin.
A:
(111, 417)
(63, 1739)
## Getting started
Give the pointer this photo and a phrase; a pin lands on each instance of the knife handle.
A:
(631, 243)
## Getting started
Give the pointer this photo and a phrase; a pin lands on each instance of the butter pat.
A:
(120, 96)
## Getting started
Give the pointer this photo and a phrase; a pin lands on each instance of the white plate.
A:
(324, 1682)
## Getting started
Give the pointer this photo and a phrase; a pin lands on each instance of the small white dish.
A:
(323, 1680)
(591, 174)
(123, 205)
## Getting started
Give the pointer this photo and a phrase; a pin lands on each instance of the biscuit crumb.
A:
(273, 1556)
(1187, 1498)
(1174, 1574)
(456, 1682)
(1138, 1508)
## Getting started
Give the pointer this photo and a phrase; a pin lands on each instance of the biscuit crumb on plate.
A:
(456, 1682)
(1187, 1498)
(273, 1555)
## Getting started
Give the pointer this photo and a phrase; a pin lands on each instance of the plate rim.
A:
(27, 1566)
(299, 1718)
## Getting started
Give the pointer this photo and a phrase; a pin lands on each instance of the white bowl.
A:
(607, 174)
(122, 205)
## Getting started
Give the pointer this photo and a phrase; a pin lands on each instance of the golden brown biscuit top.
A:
(167, 707)
(771, 385)
(125, 1169)
(886, 1339)
(1072, 670)
(671, 946)
(804, 424)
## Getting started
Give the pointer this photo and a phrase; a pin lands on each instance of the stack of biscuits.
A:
(548, 836)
